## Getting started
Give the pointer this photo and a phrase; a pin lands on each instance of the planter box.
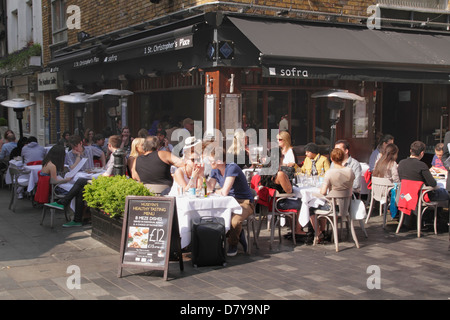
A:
(106, 230)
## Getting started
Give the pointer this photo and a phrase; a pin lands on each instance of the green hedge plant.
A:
(108, 194)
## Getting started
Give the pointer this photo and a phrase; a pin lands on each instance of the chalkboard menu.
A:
(147, 230)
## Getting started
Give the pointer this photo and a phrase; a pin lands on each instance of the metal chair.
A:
(53, 197)
(341, 201)
(157, 189)
(19, 178)
(422, 206)
(250, 222)
(381, 188)
(277, 214)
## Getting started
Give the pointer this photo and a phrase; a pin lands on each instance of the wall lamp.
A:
(82, 36)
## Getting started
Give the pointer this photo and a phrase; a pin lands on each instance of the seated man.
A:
(114, 143)
(415, 170)
(350, 162)
(233, 183)
(33, 151)
(314, 162)
(79, 151)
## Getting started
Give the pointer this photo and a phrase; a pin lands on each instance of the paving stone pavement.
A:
(35, 264)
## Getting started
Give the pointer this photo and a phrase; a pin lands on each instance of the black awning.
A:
(168, 41)
(80, 58)
(181, 38)
(348, 52)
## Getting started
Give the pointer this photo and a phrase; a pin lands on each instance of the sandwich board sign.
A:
(149, 234)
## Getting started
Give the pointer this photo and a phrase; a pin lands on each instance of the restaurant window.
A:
(299, 118)
(278, 107)
(59, 28)
(322, 124)
(252, 110)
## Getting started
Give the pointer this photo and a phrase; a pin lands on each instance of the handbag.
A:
(357, 209)
(290, 171)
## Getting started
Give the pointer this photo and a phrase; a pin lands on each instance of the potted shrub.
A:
(105, 197)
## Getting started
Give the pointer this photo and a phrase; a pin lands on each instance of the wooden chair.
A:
(336, 200)
(157, 189)
(422, 206)
(19, 178)
(381, 188)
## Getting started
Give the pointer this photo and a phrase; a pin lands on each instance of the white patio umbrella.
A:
(19, 105)
(78, 98)
(337, 93)
(122, 94)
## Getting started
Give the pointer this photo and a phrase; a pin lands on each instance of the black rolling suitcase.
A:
(208, 241)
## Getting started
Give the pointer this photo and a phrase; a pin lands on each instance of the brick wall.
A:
(99, 17)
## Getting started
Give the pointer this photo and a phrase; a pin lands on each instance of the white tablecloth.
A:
(308, 201)
(31, 177)
(364, 168)
(189, 208)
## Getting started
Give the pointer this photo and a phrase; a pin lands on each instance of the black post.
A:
(119, 162)
(19, 116)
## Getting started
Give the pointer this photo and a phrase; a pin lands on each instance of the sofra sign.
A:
(287, 72)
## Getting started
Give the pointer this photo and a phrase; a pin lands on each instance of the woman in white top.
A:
(187, 176)
(287, 153)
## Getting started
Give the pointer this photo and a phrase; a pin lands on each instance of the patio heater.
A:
(123, 96)
(336, 101)
(19, 106)
(79, 99)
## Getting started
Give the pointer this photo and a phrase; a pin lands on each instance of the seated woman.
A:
(280, 182)
(237, 150)
(52, 164)
(386, 166)
(137, 149)
(188, 176)
(153, 167)
(338, 181)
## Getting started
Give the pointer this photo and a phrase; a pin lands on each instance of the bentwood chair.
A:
(381, 188)
(19, 179)
(422, 206)
(338, 204)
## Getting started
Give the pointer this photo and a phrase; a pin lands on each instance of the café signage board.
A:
(149, 228)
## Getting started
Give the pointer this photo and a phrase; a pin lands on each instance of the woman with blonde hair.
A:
(287, 152)
(136, 150)
(238, 150)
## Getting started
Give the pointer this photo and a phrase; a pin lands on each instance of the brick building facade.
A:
(104, 52)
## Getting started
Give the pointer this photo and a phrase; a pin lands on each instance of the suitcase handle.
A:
(209, 219)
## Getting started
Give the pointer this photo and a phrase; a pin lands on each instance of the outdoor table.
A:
(309, 200)
(33, 179)
(192, 207)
